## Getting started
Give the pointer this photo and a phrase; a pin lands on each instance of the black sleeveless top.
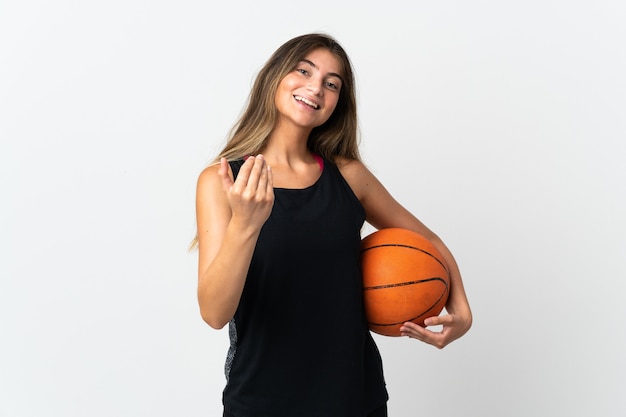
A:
(300, 346)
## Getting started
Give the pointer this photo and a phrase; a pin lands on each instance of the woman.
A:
(279, 220)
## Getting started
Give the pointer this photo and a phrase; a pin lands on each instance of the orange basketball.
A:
(404, 279)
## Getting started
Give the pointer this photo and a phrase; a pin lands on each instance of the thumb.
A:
(227, 182)
(433, 321)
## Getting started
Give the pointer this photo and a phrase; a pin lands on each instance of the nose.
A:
(315, 86)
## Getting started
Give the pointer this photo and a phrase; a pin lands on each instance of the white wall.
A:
(500, 124)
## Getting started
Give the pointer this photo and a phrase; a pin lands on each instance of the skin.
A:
(230, 213)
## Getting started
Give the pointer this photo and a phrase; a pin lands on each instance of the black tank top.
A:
(300, 346)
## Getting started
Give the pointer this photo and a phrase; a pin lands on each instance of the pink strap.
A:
(320, 161)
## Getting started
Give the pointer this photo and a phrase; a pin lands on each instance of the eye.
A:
(302, 71)
(332, 85)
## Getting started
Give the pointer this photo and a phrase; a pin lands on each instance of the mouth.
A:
(308, 102)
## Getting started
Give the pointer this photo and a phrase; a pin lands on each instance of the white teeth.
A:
(306, 101)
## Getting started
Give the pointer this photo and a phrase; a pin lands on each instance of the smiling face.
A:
(307, 96)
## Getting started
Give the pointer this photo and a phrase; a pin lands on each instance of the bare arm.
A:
(383, 211)
(230, 215)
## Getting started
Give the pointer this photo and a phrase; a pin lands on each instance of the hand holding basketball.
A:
(453, 328)
(407, 282)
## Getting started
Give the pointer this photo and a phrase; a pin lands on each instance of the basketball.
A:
(404, 279)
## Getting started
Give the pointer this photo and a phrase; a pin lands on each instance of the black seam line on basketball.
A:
(409, 247)
(414, 318)
(402, 284)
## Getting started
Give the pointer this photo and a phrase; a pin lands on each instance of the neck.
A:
(288, 144)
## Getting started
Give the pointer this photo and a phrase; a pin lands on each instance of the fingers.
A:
(256, 168)
(252, 176)
(414, 331)
(437, 339)
(438, 320)
(260, 177)
(265, 187)
(251, 195)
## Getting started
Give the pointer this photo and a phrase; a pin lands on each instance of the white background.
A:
(500, 124)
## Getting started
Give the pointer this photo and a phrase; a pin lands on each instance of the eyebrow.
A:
(333, 74)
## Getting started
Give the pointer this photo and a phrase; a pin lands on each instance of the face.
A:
(308, 95)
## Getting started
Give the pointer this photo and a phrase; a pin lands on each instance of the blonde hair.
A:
(338, 137)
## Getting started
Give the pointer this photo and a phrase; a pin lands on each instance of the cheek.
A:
(288, 83)
(331, 105)
(282, 96)
(285, 87)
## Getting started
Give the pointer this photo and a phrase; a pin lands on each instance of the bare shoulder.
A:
(209, 178)
(210, 193)
(346, 164)
(356, 174)
(209, 174)
(381, 209)
(212, 208)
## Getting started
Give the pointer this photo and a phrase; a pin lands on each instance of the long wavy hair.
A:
(337, 137)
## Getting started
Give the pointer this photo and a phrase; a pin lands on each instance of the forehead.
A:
(325, 61)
